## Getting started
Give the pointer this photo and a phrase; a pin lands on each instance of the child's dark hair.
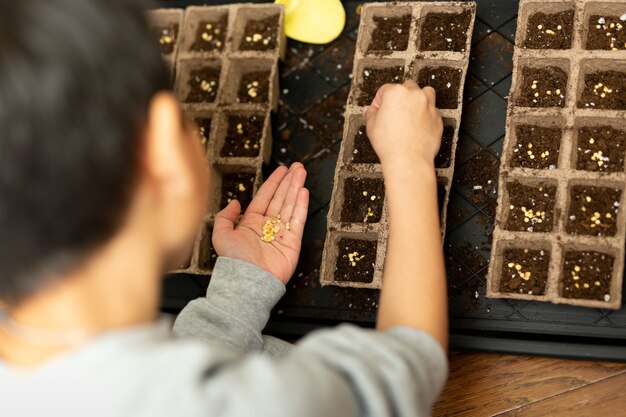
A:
(76, 80)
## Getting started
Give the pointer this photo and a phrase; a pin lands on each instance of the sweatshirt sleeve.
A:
(236, 308)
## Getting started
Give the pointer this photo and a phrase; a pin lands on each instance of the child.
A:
(102, 189)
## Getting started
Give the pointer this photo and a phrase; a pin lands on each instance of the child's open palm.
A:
(281, 198)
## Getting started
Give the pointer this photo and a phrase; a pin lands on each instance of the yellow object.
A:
(313, 21)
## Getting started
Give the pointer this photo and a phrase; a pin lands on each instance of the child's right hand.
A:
(404, 125)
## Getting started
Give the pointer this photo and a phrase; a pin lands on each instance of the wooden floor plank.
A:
(605, 398)
(487, 385)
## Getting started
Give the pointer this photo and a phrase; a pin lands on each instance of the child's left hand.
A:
(282, 196)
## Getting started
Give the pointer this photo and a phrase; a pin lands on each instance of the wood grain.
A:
(488, 385)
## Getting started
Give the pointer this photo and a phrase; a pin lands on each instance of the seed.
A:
(575, 277)
(533, 86)
(597, 283)
(550, 32)
(558, 91)
(588, 199)
(373, 198)
(207, 37)
(549, 92)
(518, 267)
(511, 206)
(591, 141)
(576, 285)
(256, 37)
(511, 265)
(586, 285)
(539, 27)
(536, 94)
(559, 27)
(608, 215)
(265, 41)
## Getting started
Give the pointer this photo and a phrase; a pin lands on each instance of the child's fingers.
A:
(273, 209)
(297, 182)
(225, 219)
(264, 196)
(431, 95)
(298, 218)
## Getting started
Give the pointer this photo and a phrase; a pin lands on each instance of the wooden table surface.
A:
(486, 385)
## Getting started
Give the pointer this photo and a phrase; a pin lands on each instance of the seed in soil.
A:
(542, 87)
(524, 271)
(363, 153)
(207, 254)
(260, 35)
(374, 78)
(607, 33)
(446, 81)
(363, 200)
(239, 187)
(390, 34)
(254, 87)
(444, 157)
(166, 37)
(604, 90)
(537, 147)
(550, 31)
(445, 31)
(593, 210)
(587, 275)
(204, 130)
(531, 208)
(356, 260)
(601, 148)
(243, 136)
(211, 35)
(203, 84)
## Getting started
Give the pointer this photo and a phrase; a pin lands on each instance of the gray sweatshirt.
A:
(217, 363)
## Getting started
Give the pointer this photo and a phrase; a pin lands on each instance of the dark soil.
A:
(239, 187)
(254, 87)
(356, 260)
(211, 35)
(390, 34)
(166, 37)
(203, 85)
(444, 157)
(204, 130)
(542, 87)
(550, 31)
(243, 136)
(600, 26)
(604, 90)
(446, 82)
(445, 31)
(587, 275)
(593, 210)
(601, 149)
(441, 196)
(531, 208)
(363, 200)
(207, 255)
(363, 152)
(537, 147)
(524, 271)
(260, 35)
(479, 175)
(374, 78)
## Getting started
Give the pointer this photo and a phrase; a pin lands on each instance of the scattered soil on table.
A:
(203, 84)
(166, 37)
(390, 34)
(593, 210)
(542, 87)
(207, 254)
(254, 87)
(604, 90)
(374, 78)
(211, 35)
(601, 148)
(355, 260)
(537, 147)
(587, 275)
(445, 31)
(524, 271)
(239, 187)
(204, 130)
(531, 208)
(363, 200)
(243, 136)
(444, 157)
(550, 31)
(260, 35)
(607, 33)
(441, 196)
(363, 153)
(479, 175)
(446, 81)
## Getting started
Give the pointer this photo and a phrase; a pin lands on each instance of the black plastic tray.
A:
(314, 84)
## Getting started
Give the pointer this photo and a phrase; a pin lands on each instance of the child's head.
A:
(89, 140)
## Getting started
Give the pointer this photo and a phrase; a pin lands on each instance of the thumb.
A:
(369, 113)
(225, 219)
